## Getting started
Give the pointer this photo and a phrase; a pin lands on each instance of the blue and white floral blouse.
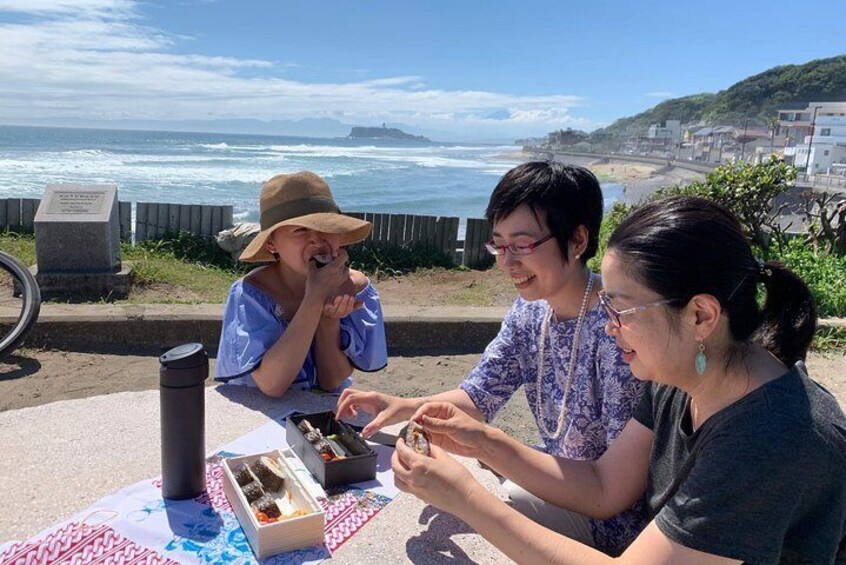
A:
(253, 322)
(602, 397)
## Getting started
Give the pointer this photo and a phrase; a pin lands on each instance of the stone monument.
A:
(77, 244)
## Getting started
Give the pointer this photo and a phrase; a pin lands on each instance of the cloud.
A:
(96, 60)
(661, 94)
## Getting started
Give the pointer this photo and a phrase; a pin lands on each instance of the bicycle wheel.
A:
(20, 302)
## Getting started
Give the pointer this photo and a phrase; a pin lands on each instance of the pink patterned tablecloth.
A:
(137, 526)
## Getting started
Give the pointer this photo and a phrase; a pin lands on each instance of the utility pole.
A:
(743, 146)
(811, 140)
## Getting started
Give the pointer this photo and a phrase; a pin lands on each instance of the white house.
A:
(822, 150)
(671, 131)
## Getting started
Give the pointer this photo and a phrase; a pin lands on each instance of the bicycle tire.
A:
(25, 310)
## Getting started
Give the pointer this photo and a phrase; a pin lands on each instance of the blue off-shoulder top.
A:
(253, 322)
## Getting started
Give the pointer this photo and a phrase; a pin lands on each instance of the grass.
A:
(206, 283)
(22, 247)
(830, 340)
(187, 269)
(204, 277)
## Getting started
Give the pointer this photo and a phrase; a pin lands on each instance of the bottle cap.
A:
(177, 363)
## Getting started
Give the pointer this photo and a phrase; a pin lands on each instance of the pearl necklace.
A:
(573, 355)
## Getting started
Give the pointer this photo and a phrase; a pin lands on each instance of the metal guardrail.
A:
(689, 165)
(830, 183)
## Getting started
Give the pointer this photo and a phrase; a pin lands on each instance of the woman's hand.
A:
(451, 429)
(322, 283)
(385, 408)
(438, 480)
(341, 306)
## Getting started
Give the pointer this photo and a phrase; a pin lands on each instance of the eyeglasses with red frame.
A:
(527, 249)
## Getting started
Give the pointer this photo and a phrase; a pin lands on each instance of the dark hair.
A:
(569, 195)
(683, 246)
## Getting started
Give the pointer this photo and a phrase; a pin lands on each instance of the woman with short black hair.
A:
(545, 218)
(736, 453)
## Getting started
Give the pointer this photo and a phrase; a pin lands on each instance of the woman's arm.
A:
(333, 367)
(599, 489)
(526, 541)
(284, 359)
(446, 484)
(387, 409)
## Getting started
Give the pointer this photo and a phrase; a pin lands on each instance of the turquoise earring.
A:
(701, 361)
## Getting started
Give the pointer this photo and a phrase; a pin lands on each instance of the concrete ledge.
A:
(157, 327)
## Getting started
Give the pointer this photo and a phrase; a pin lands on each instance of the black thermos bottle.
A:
(183, 372)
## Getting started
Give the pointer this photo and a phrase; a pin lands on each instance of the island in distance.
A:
(383, 132)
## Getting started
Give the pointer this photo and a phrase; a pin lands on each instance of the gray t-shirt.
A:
(762, 480)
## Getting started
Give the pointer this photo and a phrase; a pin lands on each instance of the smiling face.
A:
(297, 245)
(541, 274)
(656, 348)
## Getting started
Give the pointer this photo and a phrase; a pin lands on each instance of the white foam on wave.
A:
(220, 173)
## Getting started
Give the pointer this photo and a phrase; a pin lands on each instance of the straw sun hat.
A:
(300, 199)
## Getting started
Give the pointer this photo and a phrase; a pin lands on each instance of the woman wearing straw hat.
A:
(304, 320)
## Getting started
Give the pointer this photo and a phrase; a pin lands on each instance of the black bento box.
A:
(357, 466)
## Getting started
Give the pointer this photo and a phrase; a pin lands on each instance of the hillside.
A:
(758, 98)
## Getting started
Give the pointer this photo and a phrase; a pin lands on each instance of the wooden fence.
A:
(439, 232)
(153, 219)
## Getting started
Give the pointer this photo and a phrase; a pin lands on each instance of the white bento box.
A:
(287, 534)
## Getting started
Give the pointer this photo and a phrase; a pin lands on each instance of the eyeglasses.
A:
(614, 315)
(527, 249)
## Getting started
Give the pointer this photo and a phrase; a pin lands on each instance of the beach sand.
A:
(638, 179)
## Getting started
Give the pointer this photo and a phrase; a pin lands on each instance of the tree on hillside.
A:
(756, 98)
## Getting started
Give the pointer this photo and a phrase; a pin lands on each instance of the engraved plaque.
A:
(69, 202)
(77, 230)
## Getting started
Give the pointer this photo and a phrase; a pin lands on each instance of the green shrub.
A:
(825, 274)
(748, 191)
(191, 248)
(381, 261)
(610, 221)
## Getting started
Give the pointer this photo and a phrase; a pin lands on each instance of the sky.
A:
(481, 70)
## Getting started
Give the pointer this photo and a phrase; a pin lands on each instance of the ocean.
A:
(403, 177)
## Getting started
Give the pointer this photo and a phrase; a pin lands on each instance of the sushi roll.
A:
(305, 426)
(416, 438)
(325, 450)
(321, 260)
(314, 437)
(267, 504)
(269, 474)
(337, 447)
(253, 491)
(243, 475)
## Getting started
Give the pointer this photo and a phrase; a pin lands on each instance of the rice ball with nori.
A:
(243, 475)
(267, 504)
(253, 491)
(269, 474)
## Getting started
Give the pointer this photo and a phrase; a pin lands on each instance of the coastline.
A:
(638, 180)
